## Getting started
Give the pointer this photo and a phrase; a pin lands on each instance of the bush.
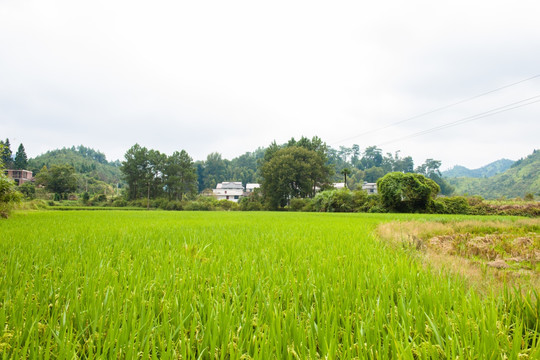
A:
(119, 202)
(228, 205)
(342, 200)
(9, 195)
(203, 203)
(174, 205)
(451, 205)
(252, 202)
(298, 204)
(406, 192)
(28, 189)
(250, 205)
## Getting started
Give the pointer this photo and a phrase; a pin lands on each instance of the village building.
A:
(19, 176)
(251, 187)
(339, 185)
(370, 188)
(231, 191)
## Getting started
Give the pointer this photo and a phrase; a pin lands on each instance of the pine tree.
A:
(6, 154)
(21, 160)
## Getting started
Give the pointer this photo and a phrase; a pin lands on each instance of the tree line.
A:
(295, 169)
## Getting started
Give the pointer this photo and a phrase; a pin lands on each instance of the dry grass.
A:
(488, 253)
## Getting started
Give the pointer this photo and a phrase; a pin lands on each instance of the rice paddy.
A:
(230, 285)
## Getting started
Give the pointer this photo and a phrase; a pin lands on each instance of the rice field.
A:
(231, 285)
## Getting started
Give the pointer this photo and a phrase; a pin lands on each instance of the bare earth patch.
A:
(487, 253)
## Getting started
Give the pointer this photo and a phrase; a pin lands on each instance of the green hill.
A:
(522, 178)
(86, 161)
(492, 169)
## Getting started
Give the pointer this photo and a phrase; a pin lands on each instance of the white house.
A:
(371, 188)
(231, 191)
(251, 187)
(338, 185)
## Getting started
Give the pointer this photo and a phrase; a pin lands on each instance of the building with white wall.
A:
(231, 191)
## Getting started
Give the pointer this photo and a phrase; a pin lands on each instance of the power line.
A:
(491, 112)
(437, 109)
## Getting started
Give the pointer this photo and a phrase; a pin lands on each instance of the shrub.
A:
(406, 192)
(203, 203)
(28, 189)
(298, 204)
(119, 202)
(9, 195)
(227, 205)
(253, 202)
(321, 200)
(451, 205)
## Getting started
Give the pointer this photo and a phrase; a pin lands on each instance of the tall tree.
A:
(355, 155)
(431, 169)
(8, 191)
(21, 160)
(345, 172)
(6, 154)
(215, 170)
(180, 175)
(372, 158)
(293, 171)
(59, 179)
(137, 171)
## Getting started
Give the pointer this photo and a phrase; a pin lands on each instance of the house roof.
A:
(230, 185)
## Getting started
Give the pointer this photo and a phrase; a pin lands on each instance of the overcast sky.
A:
(231, 76)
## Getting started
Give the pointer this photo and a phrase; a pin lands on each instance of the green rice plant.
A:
(230, 285)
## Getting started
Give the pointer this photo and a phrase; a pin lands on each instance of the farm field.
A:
(228, 285)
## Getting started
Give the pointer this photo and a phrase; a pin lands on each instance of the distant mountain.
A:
(492, 169)
(522, 178)
(86, 161)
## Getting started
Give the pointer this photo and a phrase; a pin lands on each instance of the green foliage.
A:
(9, 196)
(406, 192)
(5, 154)
(21, 160)
(521, 179)
(451, 205)
(202, 203)
(431, 169)
(372, 158)
(28, 189)
(293, 171)
(369, 167)
(85, 161)
(298, 204)
(180, 176)
(151, 174)
(373, 174)
(344, 200)
(252, 202)
(491, 169)
(214, 171)
(59, 179)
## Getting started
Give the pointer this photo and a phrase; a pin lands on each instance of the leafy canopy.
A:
(406, 192)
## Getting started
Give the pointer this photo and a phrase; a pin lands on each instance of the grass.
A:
(467, 246)
(229, 285)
